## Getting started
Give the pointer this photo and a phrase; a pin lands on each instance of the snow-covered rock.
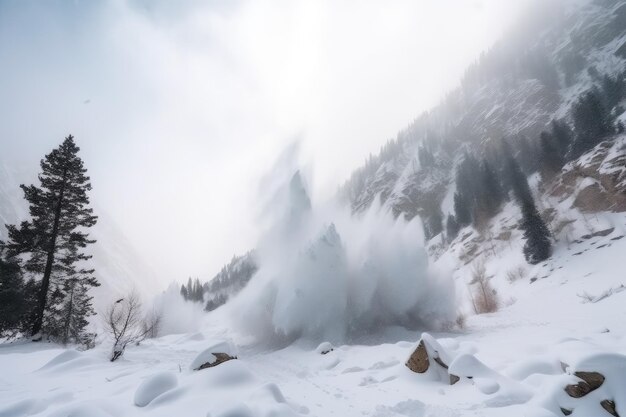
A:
(214, 355)
(324, 348)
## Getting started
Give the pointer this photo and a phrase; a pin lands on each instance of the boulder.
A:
(590, 381)
(213, 356)
(430, 352)
(609, 406)
(418, 361)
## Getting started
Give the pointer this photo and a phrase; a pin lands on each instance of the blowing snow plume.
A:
(328, 275)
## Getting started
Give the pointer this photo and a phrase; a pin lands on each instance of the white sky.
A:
(180, 107)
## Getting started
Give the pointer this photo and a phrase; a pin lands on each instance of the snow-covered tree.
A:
(54, 239)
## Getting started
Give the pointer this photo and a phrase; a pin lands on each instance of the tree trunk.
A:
(45, 281)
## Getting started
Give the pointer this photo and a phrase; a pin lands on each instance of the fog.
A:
(180, 107)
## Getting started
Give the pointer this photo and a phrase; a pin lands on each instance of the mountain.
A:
(535, 75)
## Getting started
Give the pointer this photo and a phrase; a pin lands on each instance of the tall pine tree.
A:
(54, 239)
(538, 246)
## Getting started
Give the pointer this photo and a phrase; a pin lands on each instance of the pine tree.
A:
(12, 305)
(491, 193)
(591, 122)
(452, 227)
(551, 159)
(55, 237)
(563, 136)
(462, 210)
(538, 246)
(184, 292)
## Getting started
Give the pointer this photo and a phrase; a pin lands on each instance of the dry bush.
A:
(516, 274)
(125, 324)
(484, 296)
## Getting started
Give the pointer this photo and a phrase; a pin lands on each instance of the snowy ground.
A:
(574, 312)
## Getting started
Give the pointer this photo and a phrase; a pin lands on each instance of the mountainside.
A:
(514, 91)
(535, 75)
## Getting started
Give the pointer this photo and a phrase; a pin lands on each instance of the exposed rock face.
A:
(590, 381)
(566, 412)
(598, 178)
(418, 361)
(219, 358)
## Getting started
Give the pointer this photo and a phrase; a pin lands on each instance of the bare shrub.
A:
(126, 325)
(484, 296)
(516, 274)
(152, 324)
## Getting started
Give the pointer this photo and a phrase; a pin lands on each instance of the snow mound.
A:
(154, 386)
(229, 373)
(208, 355)
(324, 348)
(63, 357)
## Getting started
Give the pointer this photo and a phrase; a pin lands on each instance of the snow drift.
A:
(327, 275)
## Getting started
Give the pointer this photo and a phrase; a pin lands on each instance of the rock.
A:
(590, 381)
(578, 390)
(609, 406)
(594, 379)
(213, 356)
(565, 411)
(219, 358)
(418, 361)
(599, 233)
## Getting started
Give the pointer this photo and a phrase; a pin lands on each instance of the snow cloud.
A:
(328, 275)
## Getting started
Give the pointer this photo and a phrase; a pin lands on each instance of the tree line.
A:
(484, 184)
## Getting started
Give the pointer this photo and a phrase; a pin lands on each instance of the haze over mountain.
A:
(471, 266)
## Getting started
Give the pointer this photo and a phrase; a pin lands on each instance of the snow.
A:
(324, 348)
(154, 386)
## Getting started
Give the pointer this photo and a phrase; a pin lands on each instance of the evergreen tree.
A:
(74, 311)
(562, 136)
(551, 158)
(452, 227)
(591, 122)
(538, 246)
(527, 155)
(184, 292)
(462, 210)
(12, 305)
(54, 238)
(491, 193)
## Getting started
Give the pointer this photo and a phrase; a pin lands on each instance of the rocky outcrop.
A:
(597, 180)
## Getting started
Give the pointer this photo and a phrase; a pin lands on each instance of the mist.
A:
(179, 109)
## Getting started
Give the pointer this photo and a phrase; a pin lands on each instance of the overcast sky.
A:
(181, 106)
